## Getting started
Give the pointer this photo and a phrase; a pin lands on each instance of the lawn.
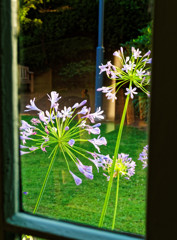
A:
(64, 200)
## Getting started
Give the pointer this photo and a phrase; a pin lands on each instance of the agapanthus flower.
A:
(53, 98)
(71, 142)
(77, 179)
(35, 121)
(99, 160)
(136, 53)
(143, 157)
(134, 69)
(66, 113)
(124, 166)
(131, 91)
(78, 105)
(57, 130)
(86, 170)
(25, 125)
(109, 92)
(84, 110)
(98, 142)
(98, 115)
(66, 128)
(32, 107)
(23, 137)
(22, 153)
(42, 117)
(93, 130)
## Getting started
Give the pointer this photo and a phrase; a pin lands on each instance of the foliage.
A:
(143, 41)
(44, 22)
(57, 52)
(123, 19)
(77, 69)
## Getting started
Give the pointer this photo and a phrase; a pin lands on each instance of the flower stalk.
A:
(57, 130)
(135, 71)
(45, 181)
(114, 160)
(116, 201)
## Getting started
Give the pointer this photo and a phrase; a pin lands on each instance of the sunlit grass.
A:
(64, 200)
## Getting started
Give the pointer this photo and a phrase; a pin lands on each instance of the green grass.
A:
(64, 200)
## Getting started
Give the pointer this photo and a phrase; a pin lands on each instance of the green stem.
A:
(114, 160)
(45, 181)
(116, 202)
(65, 157)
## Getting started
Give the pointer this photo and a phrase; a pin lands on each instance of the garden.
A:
(64, 200)
(58, 130)
(73, 168)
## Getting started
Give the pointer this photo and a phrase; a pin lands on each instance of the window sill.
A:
(49, 228)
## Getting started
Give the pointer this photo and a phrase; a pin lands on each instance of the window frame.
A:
(160, 223)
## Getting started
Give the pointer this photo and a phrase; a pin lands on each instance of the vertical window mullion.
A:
(9, 114)
(162, 177)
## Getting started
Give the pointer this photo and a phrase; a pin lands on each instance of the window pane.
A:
(66, 155)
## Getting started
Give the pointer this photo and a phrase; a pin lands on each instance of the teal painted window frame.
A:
(162, 180)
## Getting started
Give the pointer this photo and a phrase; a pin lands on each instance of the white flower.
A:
(98, 142)
(127, 59)
(131, 91)
(42, 117)
(66, 112)
(83, 124)
(29, 132)
(113, 75)
(77, 105)
(25, 125)
(105, 89)
(117, 54)
(136, 53)
(128, 67)
(103, 68)
(84, 110)
(98, 114)
(53, 98)
(140, 73)
(32, 106)
(112, 96)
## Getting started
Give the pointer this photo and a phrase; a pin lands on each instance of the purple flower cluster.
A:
(133, 69)
(143, 157)
(124, 166)
(52, 129)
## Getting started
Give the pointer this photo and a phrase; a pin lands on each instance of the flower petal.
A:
(77, 180)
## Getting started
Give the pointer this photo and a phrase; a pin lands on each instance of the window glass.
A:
(67, 143)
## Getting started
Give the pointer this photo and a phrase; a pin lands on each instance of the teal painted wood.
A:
(9, 131)
(53, 229)
(8, 120)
